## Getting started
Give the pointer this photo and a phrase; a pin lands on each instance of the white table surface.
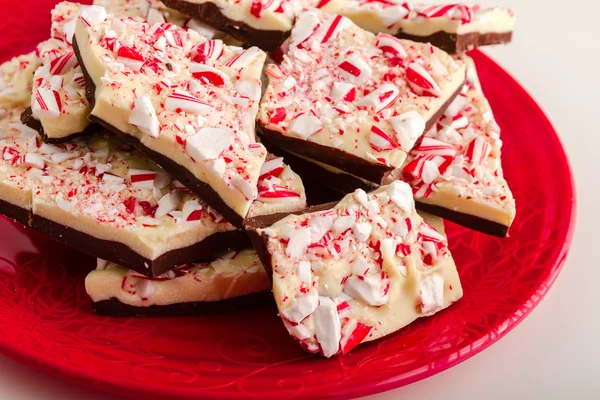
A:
(554, 353)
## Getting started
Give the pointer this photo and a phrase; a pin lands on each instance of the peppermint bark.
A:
(262, 23)
(357, 271)
(353, 100)
(454, 28)
(189, 103)
(227, 282)
(456, 170)
(59, 109)
(100, 195)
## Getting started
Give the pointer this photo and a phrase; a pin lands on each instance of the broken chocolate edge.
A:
(259, 241)
(120, 253)
(29, 120)
(210, 14)
(115, 308)
(338, 158)
(16, 213)
(453, 43)
(202, 189)
(466, 220)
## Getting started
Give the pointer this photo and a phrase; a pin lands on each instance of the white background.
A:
(554, 353)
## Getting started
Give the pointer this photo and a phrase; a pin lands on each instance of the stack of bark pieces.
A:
(138, 146)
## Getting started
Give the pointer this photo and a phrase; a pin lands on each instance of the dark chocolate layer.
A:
(188, 179)
(114, 308)
(327, 182)
(28, 119)
(455, 44)
(339, 182)
(350, 163)
(260, 242)
(210, 14)
(120, 253)
(466, 220)
(15, 213)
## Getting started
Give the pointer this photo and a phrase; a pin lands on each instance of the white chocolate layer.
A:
(464, 160)
(372, 256)
(314, 94)
(231, 275)
(398, 16)
(212, 133)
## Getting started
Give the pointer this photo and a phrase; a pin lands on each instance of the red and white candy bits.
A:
(359, 271)
(368, 96)
(456, 165)
(185, 97)
(442, 25)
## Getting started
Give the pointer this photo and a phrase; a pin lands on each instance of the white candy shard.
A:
(304, 305)
(304, 272)
(169, 202)
(360, 266)
(380, 98)
(370, 289)
(305, 126)
(299, 241)
(34, 160)
(362, 231)
(319, 226)
(155, 17)
(343, 223)
(408, 126)
(305, 26)
(144, 117)
(343, 91)
(327, 326)
(209, 143)
(401, 195)
(93, 15)
(431, 288)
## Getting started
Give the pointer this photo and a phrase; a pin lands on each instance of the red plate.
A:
(46, 320)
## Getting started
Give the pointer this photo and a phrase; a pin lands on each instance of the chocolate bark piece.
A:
(356, 271)
(102, 196)
(339, 159)
(456, 170)
(59, 83)
(210, 14)
(454, 28)
(458, 44)
(113, 210)
(28, 119)
(354, 100)
(208, 140)
(114, 308)
(224, 283)
(121, 253)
